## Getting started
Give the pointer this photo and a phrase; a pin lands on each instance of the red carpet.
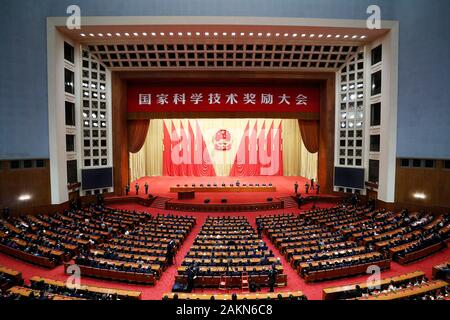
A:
(312, 291)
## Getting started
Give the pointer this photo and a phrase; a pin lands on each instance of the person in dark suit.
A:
(272, 278)
(296, 187)
(306, 188)
(136, 186)
(127, 189)
(312, 183)
(317, 188)
(169, 252)
(146, 188)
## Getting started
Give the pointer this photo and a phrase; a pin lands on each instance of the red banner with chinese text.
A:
(223, 99)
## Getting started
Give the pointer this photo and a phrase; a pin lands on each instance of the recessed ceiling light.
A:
(338, 36)
(135, 34)
(259, 34)
(118, 34)
(197, 33)
(286, 34)
(82, 34)
(419, 195)
(363, 37)
(277, 34)
(250, 34)
(268, 34)
(161, 33)
(224, 34)
(294, 35)
(320, 35)
(242, 33)
(354, 37)
(346, 36)
(180, 33)
(144, 34)
(154, 34)
(206, 33)
(189, 33)
(312, 35)
(233, 34)
(329, 36)
(170, 33)
(127, 34)
(215, 34)
(109, 34)
(91, 34)
(303, 35)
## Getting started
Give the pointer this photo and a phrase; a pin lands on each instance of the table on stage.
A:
(224, 189)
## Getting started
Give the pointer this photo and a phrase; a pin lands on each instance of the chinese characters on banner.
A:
(223, 99)
(215, 98)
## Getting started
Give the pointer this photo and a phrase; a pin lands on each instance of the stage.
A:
(160, 186)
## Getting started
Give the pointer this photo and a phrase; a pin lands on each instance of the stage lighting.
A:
(419, 195)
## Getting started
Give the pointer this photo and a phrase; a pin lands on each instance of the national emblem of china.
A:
(222, 140)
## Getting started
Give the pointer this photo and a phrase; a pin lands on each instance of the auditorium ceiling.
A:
(228, 47)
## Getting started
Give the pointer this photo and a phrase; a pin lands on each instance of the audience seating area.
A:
(227, 253)
(419, 290)
(49, 240)
(344, 241)
(296, 295)
(138, 255)
(226, 249)
(356, 290)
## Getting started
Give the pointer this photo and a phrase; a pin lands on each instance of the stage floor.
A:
(160, 186)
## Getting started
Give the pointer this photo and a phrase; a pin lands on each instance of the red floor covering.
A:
(164, 285)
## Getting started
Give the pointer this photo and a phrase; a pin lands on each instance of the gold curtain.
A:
(149, 160)
(297, 160)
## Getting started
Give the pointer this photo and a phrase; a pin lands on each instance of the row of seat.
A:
(225, 250)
